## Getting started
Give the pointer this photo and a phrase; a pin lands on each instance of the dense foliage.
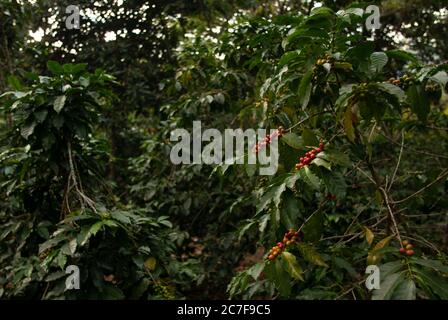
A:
(86, 177)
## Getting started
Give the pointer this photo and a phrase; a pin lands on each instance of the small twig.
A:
(398, 162)
(392, 216)
(440, 177)
(305, 119)
(415, 150)
(311, 215)
(83, 198)
(426, 242)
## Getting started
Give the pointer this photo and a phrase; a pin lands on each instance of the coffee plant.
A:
(360, 119)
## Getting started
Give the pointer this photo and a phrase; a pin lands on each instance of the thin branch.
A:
(306, 119)
(83, 198)
(435, 155)
(440, 177)
(387, 201)
(398, 162)
(311, 215)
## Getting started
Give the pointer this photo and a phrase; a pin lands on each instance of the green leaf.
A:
(311, 255)
(393, 90)
(293, 140)
(27, 129)
(402, 55)
(309, 138)
(291, 180)
(344, 264)
(433, 264)
(348, 124)
(40, 115)
(55, 67)
(335, 157)
(117, 215)
(55, 276)
(405, 290)
(79, 68)
(292, 266)
(378, 61)
(322, 163)
(390, 267)
(276, 273)
(14, 82)
(96, 227)
(84, 81)
(290, 212)
(343, 98)
(112, 293)
(387, 287)
(335, 183)
(59, 103)
(437, 284)
(273, 194)
(441, 78)
(305, 89)
(419, 101)
(288, 57)
(314, 227)
(310, 178)
(362, 51)
(256, 270)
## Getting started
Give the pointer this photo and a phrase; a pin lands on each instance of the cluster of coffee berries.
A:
(404, 82)
(321, 62)
(267, 140)
(309, 156)
(291, 237)
(327, 59)
(407, 248)
(394, 81)
(362, 89)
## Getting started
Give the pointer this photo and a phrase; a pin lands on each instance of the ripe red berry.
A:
(321, 145)
(402, 250)
(318, 150)
(410, 252)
